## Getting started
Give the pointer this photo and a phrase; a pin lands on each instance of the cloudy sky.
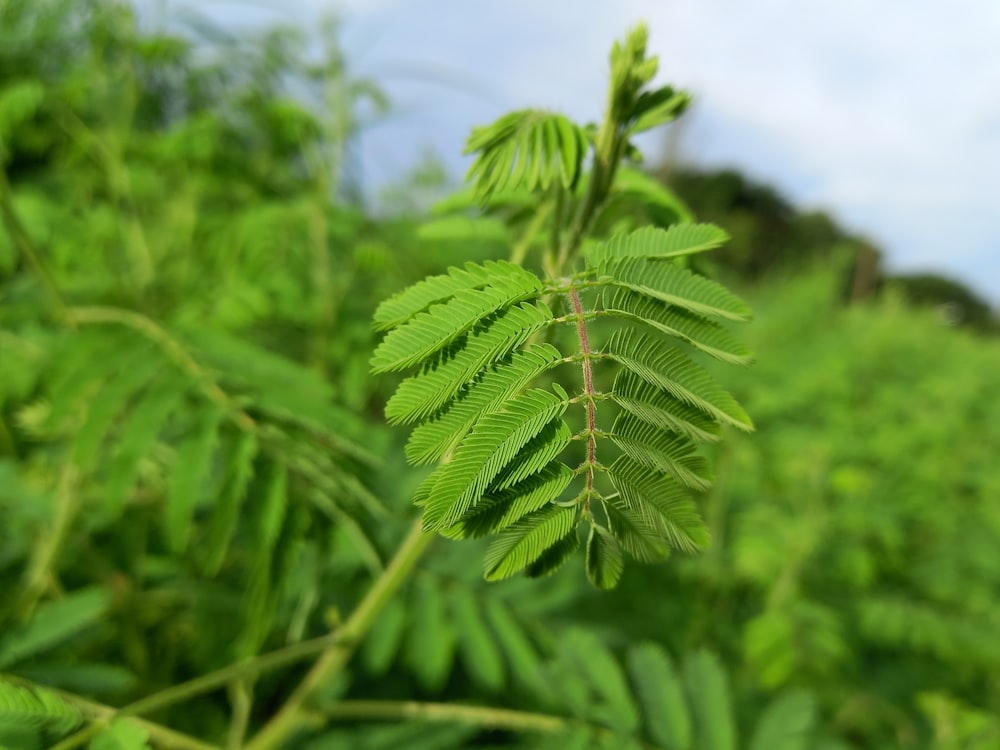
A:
(884, 112)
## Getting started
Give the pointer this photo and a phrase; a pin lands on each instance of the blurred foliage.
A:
(187, 276)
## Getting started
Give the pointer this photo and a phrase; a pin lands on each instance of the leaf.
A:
(496, 511)
(662, 410)
(443, 229)
(430, 647)
(385, 637)
(661, 695)
(53, 623)
(555, 556)
(36, 708)
(190, 471)
(705, 335)
(657, 107)
(522, 658)
(527, 540)
(661, 452)
(604, 559)
(480, 654)
(674, 285)
(662, 505)
(421, 395)
(653, 242)
(137, 439)
(672, 371)
(141, 364)
(121, 734)
(493, 443)
(708, 691)
(225, 514)
(428, 332)
(439, 435)
(604, 675)
(636, 533)
(786, 723)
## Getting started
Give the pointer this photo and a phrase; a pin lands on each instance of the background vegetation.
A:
(187, 279)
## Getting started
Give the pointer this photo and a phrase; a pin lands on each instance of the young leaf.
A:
(604, 559)
(36, 708)
(653, 242)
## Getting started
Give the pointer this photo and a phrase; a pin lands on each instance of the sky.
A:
(885, 113)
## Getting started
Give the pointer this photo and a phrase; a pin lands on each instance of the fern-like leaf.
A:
(604, 558)
(37, 708)
(674, 285)
(421, 395)
(430, 331)
(671, 371)
(526, 541)
(661, 452)
(653, 242)
(494, 442)
(702, 334)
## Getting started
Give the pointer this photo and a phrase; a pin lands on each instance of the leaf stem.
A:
(293, 715)
(588, 392)
(483, 716)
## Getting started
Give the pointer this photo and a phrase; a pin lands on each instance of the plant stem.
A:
(46, 550)
(292, 715)
(484, 716)
(588, 392)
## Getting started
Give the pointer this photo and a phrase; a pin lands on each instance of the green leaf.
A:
(190, 471)
(540, 451)
(636, 533)
(36, 708)
(140, 365)
(604, 559)
(661, 452)
(522, 658)
(705, 335)
(605, 677)
(555, 556)
(225, 514)
(658, 107)
(480, 654)
(662, 696)
(786, 723)
(439, 435)
(492, 444)
(655, 243)
(421, 395)
(668, 282)
(53, 623)
(708, 691)
(430, 647)
(663, 506)
(430, 331)
(137, 439)
(527, 540)
(672, 371)
(497, 511)
(660, 409)
(385, 637)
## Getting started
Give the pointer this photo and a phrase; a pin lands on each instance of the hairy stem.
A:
(293, 715)
(588, 392)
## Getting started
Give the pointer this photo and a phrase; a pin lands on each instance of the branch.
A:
(292, 715)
